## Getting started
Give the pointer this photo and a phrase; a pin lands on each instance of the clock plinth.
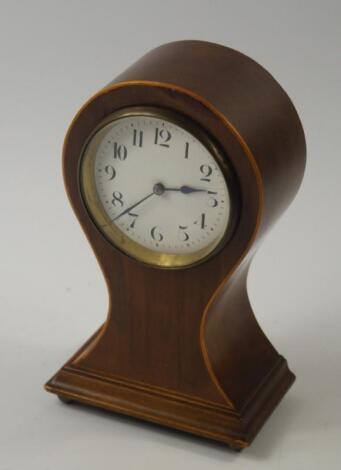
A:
(205, 418)
(181, 347)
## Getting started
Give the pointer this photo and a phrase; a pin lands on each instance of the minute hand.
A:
(133, 206)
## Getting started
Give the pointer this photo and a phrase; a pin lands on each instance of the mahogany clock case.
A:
(182, 347)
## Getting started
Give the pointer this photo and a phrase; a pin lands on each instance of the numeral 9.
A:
(110, 171)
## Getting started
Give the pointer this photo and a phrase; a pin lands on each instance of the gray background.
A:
(53, 56)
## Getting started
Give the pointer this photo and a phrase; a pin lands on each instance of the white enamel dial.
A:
(159, 185)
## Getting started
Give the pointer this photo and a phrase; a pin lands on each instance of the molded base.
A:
(170, 408)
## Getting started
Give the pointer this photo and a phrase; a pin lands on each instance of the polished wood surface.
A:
(182, 347)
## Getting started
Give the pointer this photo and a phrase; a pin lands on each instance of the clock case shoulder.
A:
(182, 347)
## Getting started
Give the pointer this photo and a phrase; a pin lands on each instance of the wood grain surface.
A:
(182, 347)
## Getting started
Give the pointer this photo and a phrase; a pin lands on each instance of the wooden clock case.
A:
(182, 347)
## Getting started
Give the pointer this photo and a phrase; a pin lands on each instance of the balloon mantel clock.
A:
(175, 171)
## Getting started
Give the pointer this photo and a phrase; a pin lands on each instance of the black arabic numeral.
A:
(120, 151)
(162, 136)
(203, 218)
(206, 171)
(214, 202)
(132, 225)
(117, 199)
(110, 171)
(138, 138)
(186, 150)
(183, 233)
(156, 234)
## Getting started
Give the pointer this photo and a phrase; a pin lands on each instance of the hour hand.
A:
(187, 190)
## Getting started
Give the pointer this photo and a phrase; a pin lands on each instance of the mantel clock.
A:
(175, 171)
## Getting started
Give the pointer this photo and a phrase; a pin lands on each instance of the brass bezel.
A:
(116, 236)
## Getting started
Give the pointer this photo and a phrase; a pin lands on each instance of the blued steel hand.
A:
(186, 190)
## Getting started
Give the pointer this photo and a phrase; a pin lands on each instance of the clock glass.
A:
(157, 187)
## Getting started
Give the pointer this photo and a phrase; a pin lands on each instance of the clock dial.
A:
(159, 192)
